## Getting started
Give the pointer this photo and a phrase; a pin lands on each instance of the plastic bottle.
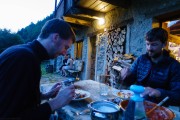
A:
(135, 109)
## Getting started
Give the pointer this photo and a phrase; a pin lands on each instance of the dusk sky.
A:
(17, 14)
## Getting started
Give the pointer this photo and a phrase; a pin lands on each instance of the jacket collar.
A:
(39, 50)
(165, 59)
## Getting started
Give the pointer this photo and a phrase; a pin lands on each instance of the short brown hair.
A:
(57, 26)
(157, 34)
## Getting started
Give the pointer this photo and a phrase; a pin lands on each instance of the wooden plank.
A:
(79, 16)
(108, 8)
(60, 9)
(77, 26)
(95, 4)
(68, 4)
(101, 6)
(85, 3)
(105, 8)
(175, 26)
(87, 16)
(83, 12)
(174, 32)
(174, 39)
(77, 21)
(120, 3)
(161, 16)
(95, 33)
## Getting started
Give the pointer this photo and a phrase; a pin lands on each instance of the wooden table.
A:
(68, 112)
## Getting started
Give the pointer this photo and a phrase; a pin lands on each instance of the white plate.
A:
(82, 92)
(125, 93)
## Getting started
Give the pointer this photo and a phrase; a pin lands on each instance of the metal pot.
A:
(104, 110)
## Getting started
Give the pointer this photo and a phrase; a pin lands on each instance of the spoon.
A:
(82, 112)
(159, 104)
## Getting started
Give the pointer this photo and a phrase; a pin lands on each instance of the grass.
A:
(43, 68)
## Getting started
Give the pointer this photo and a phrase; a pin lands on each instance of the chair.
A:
(78, 66)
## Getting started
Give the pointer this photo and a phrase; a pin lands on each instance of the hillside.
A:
(32, 31)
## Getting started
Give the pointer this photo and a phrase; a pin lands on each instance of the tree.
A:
(8, 39)
(32, 31)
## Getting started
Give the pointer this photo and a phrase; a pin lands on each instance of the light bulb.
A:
(101, 21)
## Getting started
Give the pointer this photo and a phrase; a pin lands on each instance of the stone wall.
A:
(85, 58)
(143, 12)
(101, 53)
(139, 19)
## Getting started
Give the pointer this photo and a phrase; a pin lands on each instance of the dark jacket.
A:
(20, 74)
(164, 76)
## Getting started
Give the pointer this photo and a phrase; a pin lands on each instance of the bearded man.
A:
(156, 70)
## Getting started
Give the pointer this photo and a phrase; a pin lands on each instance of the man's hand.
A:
(151, 92)
(52, 92)
(63, 98)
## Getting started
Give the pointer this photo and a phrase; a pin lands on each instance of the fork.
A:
(82, 112)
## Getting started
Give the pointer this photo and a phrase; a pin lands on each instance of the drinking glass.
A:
(104, 84)
(112, 82)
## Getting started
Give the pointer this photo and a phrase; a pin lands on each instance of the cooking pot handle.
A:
(99, 115)
(88, 105)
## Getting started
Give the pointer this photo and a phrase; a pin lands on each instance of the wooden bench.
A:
(78, 66)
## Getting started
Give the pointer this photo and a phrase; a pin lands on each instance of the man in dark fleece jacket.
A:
(20, 74)
(156, 70)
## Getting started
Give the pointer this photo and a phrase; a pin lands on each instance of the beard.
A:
(153, 54)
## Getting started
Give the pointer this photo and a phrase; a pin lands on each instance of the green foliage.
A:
(43, 67)
(32, 31)
(8, 39)
(25, 35)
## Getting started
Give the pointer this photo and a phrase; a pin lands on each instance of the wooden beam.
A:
(175, 26)
(161, 16)
(77, 21)
(83, 12)
(174, 39)
(121, 3)
(80, 17)
(124, 23)
(95, 33)
(174, 32)
(76, 26)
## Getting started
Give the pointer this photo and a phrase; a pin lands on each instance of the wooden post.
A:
(55, 8)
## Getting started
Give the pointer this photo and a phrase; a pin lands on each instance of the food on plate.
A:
(79, 95)
(125, 95)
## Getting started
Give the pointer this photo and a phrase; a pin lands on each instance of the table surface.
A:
(68, 112)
